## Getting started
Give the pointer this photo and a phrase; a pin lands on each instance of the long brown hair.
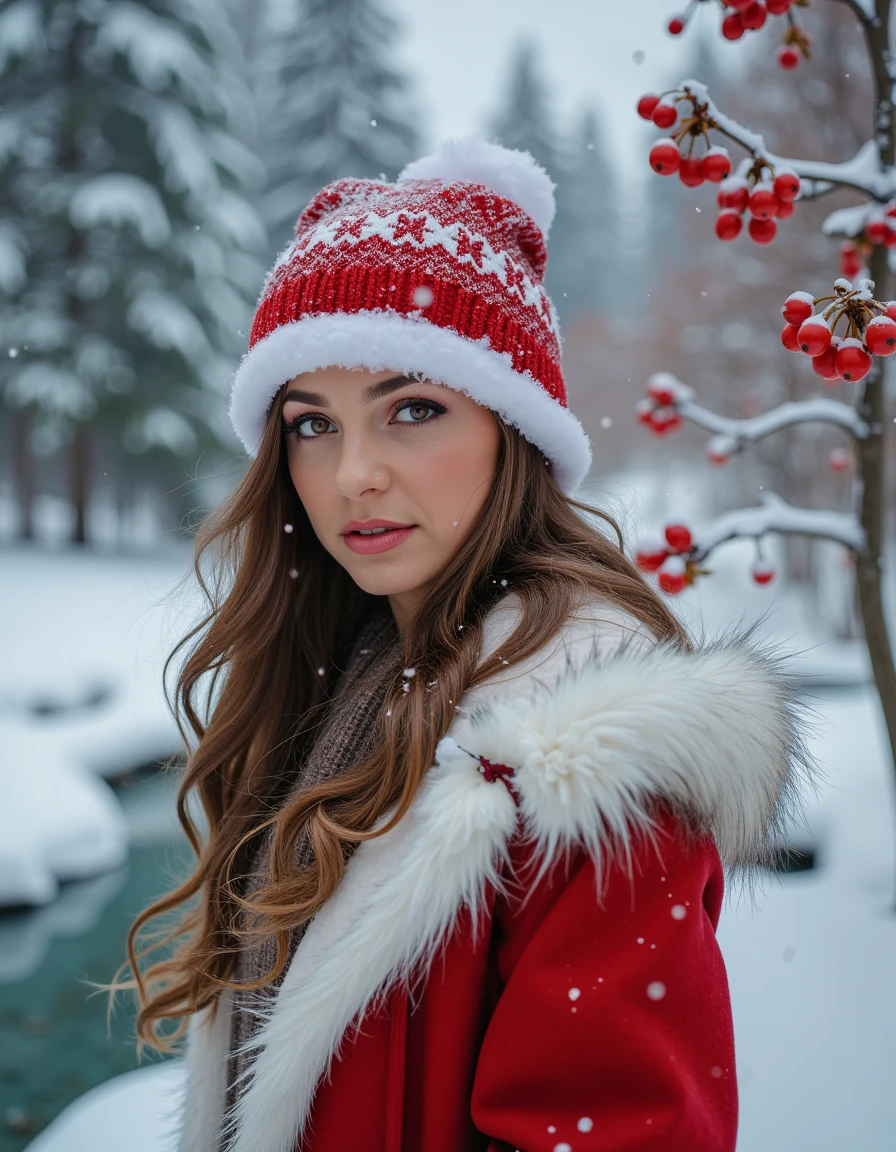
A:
(281, 613)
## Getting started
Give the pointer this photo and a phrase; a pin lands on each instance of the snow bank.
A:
(81, 698)
(136, 1110)
(57, 822)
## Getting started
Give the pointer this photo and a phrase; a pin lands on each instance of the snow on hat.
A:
(439, 274)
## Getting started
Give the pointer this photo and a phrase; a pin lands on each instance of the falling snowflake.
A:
(585, 1124)
(678, 911)
(575, 993)
(287, 527)
(656, 990)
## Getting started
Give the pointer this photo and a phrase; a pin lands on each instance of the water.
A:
(54, 1039)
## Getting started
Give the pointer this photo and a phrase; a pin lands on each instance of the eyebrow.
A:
(370, 393)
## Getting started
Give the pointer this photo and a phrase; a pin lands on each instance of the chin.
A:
(385, 583)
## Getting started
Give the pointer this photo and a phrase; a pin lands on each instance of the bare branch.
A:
(776, 515)
(734, 435)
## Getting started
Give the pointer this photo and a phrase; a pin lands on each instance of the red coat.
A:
(580, 826)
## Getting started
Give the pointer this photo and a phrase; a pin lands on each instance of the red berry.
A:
(786, 185)
(652, 559)
(753, 17)
(716, 165)
(814, 336)
(788, 58)
(676, 26)
(664, 420)
(728, 225)
(762, 572)
(798, 307)
(890, 239)
(716, 457)
(778, 7)
(646, 106)
(838, 460)
(790, 338)
(853, 362)
(733, 27)
(762, 231)
(826, 365)
(880, 336)
(672, 582)
(785, 208)
(664, 115)
(691, 172)
(661, 393)
(877, 231)
(665, 157)
(890, 309)
(679, 537)
(734, 193)
(763, 203)
(644, 411)
(738, 5)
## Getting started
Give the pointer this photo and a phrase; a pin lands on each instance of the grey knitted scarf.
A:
(343, 738)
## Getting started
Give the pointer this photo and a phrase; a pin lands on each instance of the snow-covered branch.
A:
(734, 435)
(863, 172)
(776, 515)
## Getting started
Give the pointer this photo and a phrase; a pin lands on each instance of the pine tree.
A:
(585, 240)
(127, 244)
(331, 103)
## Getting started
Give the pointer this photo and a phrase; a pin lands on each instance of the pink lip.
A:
(383, 542)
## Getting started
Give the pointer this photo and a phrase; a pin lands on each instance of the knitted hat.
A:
(439, 274)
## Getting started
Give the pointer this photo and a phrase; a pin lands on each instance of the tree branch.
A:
(864, 173)
(733, 435)
(776, 515)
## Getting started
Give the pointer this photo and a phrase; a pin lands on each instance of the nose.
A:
(360, 469)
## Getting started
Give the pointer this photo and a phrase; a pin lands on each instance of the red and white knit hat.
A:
(438, 274)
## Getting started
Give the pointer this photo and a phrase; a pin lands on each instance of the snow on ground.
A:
(135, 1111)
(81, 698)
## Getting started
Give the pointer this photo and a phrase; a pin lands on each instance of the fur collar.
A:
(717, 732)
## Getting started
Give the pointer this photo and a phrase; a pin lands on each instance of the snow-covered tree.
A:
(585, 241)
(848, 328)
(128, 246)
(331, 102)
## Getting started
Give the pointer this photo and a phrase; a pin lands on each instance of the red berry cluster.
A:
(657, 410)
(672, 561)
(675, 563)
(751, 15)
(869, 327)
(879, 228)
(756, 188)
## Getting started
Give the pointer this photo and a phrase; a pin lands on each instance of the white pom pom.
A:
(511, 173)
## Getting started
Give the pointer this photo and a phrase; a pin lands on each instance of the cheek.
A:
(453, 476)
(311, 485)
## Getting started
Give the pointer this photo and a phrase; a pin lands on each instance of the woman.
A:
(468, 788)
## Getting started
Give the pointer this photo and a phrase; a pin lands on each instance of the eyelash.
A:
(292, 427)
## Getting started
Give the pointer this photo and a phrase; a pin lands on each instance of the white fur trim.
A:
(717, 732)
(208, 1044)
(512, 173)
(398, 900)
(384, 340)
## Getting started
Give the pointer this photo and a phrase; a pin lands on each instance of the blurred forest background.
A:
(155, 156)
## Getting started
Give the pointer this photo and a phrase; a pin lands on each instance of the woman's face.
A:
(373, 450)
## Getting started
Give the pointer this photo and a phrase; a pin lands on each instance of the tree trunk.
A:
(79, 480)
(23, 471)
(870, 563)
